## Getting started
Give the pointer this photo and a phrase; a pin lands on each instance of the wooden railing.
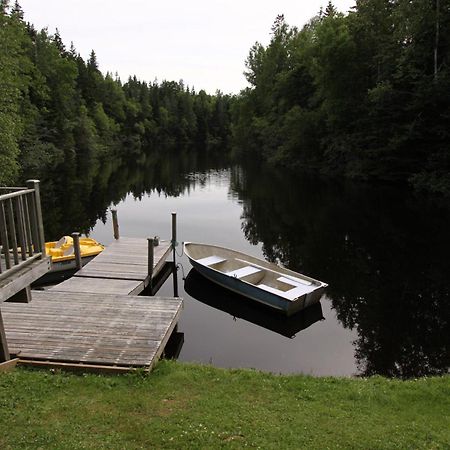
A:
(21, 227)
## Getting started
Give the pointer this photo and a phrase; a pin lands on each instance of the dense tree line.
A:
(60, 117)
(364, 95)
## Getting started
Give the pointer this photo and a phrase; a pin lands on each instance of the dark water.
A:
(383, 251)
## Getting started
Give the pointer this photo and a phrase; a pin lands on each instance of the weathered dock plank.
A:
(91, 328)
(105, 286)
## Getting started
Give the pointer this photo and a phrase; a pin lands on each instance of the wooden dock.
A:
(106, 331)
(95, 320)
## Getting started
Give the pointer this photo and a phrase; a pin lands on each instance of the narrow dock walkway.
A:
(122, 268)
(95, 319)
(126, 258)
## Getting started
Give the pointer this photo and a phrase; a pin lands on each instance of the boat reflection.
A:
(241, 307)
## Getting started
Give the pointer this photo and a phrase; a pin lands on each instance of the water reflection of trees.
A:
(74, 203)
(383, 251)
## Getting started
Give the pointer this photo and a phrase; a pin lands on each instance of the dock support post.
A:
(151, 259)
(115, 223)
(77, 250)
(4, 352)
(174, 234)
(175, 279)
(174, 243)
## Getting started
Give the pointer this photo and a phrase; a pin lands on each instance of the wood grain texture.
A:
(75, 367)
(105, 286)
(4, 351)
(8, 365)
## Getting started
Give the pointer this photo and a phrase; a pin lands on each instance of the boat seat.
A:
(243, 271)
(294, 281)
(210, 260)
(68, 251)
(291, 294)
(65, 241)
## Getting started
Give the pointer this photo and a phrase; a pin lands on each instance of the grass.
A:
(190, 406)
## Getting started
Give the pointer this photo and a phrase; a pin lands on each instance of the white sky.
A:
(204, 43)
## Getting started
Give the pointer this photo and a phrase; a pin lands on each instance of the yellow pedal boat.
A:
(63, 251)
(63, 257)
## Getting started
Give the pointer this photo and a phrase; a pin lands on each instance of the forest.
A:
(363, 95)
(61, 118)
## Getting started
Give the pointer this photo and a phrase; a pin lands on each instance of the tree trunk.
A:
(436, 41)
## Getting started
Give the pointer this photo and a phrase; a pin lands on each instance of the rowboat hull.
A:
(258, 280)
(239, 307)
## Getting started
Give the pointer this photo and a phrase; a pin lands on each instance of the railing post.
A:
(4, 236)
(151, 259)
(12, 229)
(77, 250)
(115, 223)
(21, 228)
(34, 184)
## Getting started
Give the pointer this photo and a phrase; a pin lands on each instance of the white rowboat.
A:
(254, 278)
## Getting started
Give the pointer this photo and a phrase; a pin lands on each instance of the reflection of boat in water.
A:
(205, 291)
(259, 280)
(63, 257)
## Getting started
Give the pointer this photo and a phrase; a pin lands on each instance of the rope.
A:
(180, 266)
(175, 245)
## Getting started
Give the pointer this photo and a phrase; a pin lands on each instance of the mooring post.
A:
(115, 223)
(77, 250)
(151, 259)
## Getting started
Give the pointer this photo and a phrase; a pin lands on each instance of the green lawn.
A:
(189, 406)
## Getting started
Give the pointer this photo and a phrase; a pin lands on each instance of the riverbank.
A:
(189, 406)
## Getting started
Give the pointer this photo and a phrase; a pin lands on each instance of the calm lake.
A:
(384, 252)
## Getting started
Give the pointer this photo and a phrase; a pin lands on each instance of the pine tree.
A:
(59, 43)
(17, 11)
(92, 63)
(330, 10)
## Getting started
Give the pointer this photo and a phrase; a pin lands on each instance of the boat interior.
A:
(276, 282)
(64, 247)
